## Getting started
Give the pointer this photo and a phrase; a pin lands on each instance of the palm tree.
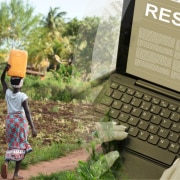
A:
(54, 20)
(55, 24)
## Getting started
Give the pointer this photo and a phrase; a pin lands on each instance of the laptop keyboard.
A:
(147, 118)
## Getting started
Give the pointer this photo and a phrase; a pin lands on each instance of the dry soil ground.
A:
(52, 119)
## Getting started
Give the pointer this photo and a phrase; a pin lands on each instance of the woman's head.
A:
(16, 82)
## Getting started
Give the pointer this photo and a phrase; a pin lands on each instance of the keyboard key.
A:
(138, 94)
(117, 94)
(130, 91)
(153, 139)
(123, 117)
(133, 131)
(126, 108)
(147, 97)
(153, 129)
(113, 113)
(143, 125)
(114, 85)
(133, 121)
(122, 88)
(155, 100)
(165, 113)
(163, 133)
(136, 112)
(145, 105)
(175, 127)
(175, 116)
(174, 147)
(164, 104)
(126, 98)
(166, 123)
(173, 137)
(172, 107)
(107, 100)
(146, 115)
(155, 109)
(156, 119)
(109, 92)
(117, 104)
(136, 102)
(143, 135)
(163, 143)
(151, 151)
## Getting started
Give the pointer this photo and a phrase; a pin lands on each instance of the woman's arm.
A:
(29, 118)
(3, 82)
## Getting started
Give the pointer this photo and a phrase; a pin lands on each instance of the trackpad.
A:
(135, 167)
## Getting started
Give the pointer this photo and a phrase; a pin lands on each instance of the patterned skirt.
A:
(17, 137)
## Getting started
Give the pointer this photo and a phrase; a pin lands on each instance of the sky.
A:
(74, 8)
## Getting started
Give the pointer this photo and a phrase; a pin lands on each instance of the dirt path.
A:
(68, 162)
(67, 118)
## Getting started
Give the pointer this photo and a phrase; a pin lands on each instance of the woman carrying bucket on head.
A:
(17, 121)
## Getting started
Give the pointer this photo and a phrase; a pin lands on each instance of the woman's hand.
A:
(34, 132)
(7, 67)
(172, 173)
(109, 131)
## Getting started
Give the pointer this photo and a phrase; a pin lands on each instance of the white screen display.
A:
(154, 52)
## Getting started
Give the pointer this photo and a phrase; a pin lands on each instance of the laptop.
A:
(144, 92)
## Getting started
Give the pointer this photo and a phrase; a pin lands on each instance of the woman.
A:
(17, 121)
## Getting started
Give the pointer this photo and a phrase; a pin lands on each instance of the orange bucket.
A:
(18, 61)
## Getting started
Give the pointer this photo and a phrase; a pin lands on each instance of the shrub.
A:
(57, 85)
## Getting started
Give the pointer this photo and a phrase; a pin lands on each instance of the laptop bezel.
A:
(124, 43)
(125, 34)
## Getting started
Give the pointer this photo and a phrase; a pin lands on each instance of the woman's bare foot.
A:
(4, 170)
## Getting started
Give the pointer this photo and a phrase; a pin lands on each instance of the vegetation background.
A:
(60, 91)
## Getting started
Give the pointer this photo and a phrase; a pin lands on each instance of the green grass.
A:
(44, 154)
(64, 175)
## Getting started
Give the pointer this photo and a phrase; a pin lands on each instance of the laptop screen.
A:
(154, 49)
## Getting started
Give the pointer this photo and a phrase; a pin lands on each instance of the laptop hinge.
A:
(160, 90)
